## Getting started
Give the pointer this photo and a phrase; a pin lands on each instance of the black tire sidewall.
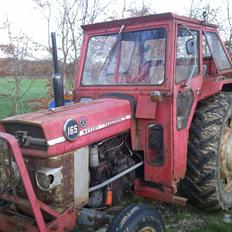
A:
(119, 217)
(142, 219)
(137, 217)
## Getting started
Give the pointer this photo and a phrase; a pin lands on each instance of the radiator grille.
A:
(28, 136)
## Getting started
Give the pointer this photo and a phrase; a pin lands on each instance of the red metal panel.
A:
(145, 107)
(105, 118)
(65, 222)
(212, 85)
(2, 128)
(159, 174)
(164, 194)
(142, 20)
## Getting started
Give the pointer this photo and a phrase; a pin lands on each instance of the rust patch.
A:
(62, 194)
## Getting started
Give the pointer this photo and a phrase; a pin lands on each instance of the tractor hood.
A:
(64, 129)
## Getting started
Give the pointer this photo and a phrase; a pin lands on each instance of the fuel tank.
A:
(64, 129)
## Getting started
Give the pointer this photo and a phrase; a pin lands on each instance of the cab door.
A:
(186, 91)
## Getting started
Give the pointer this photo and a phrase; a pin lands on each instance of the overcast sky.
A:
(25, 17)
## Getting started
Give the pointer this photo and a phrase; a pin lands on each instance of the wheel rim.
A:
(226, 158)
(148, 229)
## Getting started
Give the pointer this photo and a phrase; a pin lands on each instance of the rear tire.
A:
(137, 218)
(2, 203)
(208, 181)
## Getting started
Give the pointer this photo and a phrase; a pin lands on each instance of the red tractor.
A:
(152, 114)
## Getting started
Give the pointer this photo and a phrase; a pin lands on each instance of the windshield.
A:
(132, 58)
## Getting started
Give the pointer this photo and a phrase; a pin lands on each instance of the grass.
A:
(193, 219)
(215, 227)
(7, 87)
(214, 222)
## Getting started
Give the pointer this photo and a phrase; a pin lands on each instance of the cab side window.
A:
(187, 63)
(209, 67)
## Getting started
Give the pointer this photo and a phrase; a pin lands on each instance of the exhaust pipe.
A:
(58, 85)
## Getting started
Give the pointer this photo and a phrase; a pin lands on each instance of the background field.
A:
(177, 219)
(7, 87)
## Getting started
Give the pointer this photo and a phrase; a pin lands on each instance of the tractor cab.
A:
(167, 63)
(156, 50)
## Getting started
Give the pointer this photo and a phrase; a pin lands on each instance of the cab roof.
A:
(144, 19)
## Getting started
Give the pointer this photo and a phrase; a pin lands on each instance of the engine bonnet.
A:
(96, 120)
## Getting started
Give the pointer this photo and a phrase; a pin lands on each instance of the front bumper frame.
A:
(62, 221)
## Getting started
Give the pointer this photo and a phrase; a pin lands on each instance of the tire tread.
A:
(201, 182)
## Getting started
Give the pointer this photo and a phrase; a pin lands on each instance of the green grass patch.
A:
(7, 90)
(215, 226)
(213, 222)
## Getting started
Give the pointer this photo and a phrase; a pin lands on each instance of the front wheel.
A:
(137, 218)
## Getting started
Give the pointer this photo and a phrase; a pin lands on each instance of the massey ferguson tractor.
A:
(152, 115)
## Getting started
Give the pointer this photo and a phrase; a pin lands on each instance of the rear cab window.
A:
(217, 51)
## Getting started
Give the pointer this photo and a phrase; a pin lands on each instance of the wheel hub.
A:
(226, 159)
(147, 229)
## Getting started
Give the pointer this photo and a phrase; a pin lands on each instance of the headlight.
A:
(48, 179)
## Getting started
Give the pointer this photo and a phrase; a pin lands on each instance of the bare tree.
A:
(143, 11)
(220, 15)
(17, 49)
(45, 8)
(197, 7)
(229, 26)
(67, 16)
(123, 9)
